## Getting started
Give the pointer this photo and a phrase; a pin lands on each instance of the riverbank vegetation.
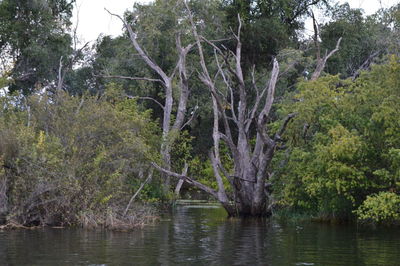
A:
(73, 160)
(345, 160)
(229, 99)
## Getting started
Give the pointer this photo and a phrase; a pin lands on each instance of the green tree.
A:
(34, 35)
(364, 40)
(345, 142)
(268, 26)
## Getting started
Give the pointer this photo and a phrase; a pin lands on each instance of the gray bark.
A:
(250, 164)
(169, 128)
(3, 196)
(321, 61)
(181, 181)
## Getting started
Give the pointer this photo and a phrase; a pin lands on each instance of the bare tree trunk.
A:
(321, 62)
(181, 181)
(169, 130)
(253, 146)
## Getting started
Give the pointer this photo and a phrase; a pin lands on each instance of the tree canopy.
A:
(34, 38)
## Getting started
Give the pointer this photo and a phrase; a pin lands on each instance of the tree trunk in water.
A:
(253, 144)
(181, 181)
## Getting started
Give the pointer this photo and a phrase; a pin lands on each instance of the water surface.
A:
(196, 235)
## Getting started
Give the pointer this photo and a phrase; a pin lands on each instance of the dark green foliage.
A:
(268, 26)
(34, 34)
(362, 38)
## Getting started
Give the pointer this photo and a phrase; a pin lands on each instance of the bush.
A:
(380, 208)
(344, 146)
(65, 156)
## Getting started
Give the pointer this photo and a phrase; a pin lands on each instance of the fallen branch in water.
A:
(14, 226)
(138, 191)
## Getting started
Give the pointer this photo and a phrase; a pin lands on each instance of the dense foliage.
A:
(345, 145)
(71, 160)
(79, 128)
(34, 36)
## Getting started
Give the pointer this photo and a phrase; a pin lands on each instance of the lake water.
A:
(196, 235)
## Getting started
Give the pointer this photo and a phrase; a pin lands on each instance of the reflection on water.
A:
(203, 236)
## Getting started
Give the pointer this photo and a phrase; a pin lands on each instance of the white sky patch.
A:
(368, 6)
(94, 20)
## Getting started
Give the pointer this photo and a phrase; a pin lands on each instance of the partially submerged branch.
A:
(188, 180)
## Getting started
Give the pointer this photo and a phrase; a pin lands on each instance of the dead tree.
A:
(243, 126)
(170, 127)
(251, 161)
(321, 61)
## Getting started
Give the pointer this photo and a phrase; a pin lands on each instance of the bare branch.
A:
(322, 61)
(262, 136)
(283, 127)
(129, 78)
(188, 180)
(181, 181)
(183, 51)
(138, 191)
(215, 162)
(239, 27)
(271, 91)
(80, 105)
(292, 64)
(194, 113)
(142, 53)
(206, 79)
(334, 50)
(365, 65)
(60, 80)
(257, 103)
(226, 81)
(316, 36)
(184, 84)
(145, 98)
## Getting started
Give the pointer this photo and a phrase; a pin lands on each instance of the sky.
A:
(94, 20)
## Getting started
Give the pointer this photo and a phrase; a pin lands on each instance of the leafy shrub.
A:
(380, 208)
(344, 144)
(64, 156)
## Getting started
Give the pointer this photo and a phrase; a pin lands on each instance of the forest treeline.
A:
(232, 100)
